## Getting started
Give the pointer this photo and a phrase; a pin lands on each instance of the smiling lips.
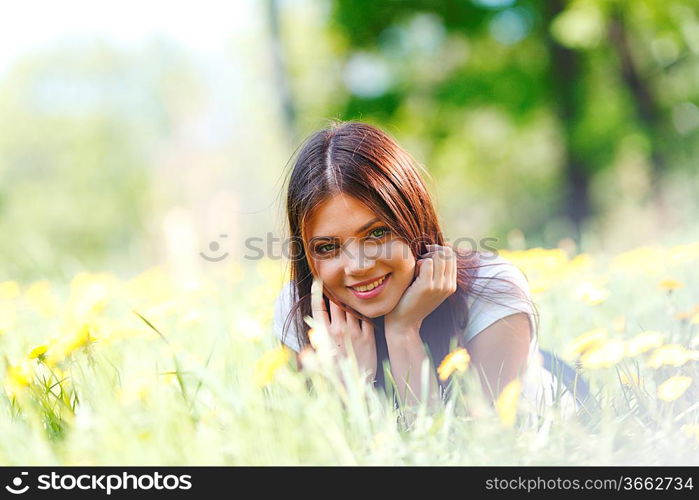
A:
(371, 289)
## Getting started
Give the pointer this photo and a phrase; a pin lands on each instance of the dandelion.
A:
(40, 297)
(649, 260)
(670, 284)
(9, 290)
(673, 387)
(670, 355)
(585, 342)
(38, 352)
(455, 360)
(684, 253)
(268, 364)
(691, 430)
(604, 355)
(7, 317)
(691, 314)
(18, 377)
(506, 404)
(619, 324)
(644, 341)
(630, 380)
(74, 339)
(90, 293)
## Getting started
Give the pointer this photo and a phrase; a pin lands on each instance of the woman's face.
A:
(349, 246)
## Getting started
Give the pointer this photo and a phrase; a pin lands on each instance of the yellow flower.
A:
(691, 314)
(506, 404)
(90, 293)
(7, 316)
(39, 296)
(269, 363)
(9, 290)
(619, 324)
(458, 359)
(670, 284)
(673, 387)
(647, 260)
(73, 339)
(684, 253)
(38, 352)
(590, 293)
(691, 430)
(18, 377)
(630, 379)
(585, 342)
(604, 355)
(671, 354)
(644, 341)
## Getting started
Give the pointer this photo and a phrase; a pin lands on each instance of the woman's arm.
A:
(500, 351)
(407, 355)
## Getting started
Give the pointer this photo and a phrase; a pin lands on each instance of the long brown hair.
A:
(366, 163)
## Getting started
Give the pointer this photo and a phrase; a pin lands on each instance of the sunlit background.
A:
(143, 147)
(137, 133)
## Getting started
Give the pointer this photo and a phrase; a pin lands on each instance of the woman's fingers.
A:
(355, 326)
(318, 310)
(337, 317)
(444, 265)
(426, 269)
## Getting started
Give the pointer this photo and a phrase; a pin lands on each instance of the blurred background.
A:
(135, 134)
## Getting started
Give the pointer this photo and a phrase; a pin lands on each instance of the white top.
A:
(502, 298)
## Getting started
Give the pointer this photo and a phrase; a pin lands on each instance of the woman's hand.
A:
(345, 330)
(435, 281)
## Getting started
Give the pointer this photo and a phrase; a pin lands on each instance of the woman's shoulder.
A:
(492, 264)
(282, 307)
(499, 289)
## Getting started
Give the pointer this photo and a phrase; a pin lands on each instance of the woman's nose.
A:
(359, 259)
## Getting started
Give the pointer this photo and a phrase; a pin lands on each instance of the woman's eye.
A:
(324, 248)
(382, 231)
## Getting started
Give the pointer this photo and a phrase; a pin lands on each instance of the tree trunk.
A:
(566, 76)
(646, 108)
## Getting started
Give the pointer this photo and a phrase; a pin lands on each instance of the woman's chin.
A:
(374, 312)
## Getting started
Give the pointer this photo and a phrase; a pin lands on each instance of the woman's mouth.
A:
(370, 290)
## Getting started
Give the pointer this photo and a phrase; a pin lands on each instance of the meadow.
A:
(147, 370)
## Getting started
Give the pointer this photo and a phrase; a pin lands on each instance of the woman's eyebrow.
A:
(365, 226)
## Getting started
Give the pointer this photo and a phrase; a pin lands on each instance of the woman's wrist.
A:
(405, 333)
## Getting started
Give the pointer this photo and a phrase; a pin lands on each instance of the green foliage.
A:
(76, 154)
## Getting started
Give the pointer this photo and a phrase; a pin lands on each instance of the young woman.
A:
(363, 228)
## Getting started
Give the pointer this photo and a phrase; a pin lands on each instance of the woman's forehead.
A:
(339, 214)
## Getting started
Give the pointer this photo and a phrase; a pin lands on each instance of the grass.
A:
(146, 371)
